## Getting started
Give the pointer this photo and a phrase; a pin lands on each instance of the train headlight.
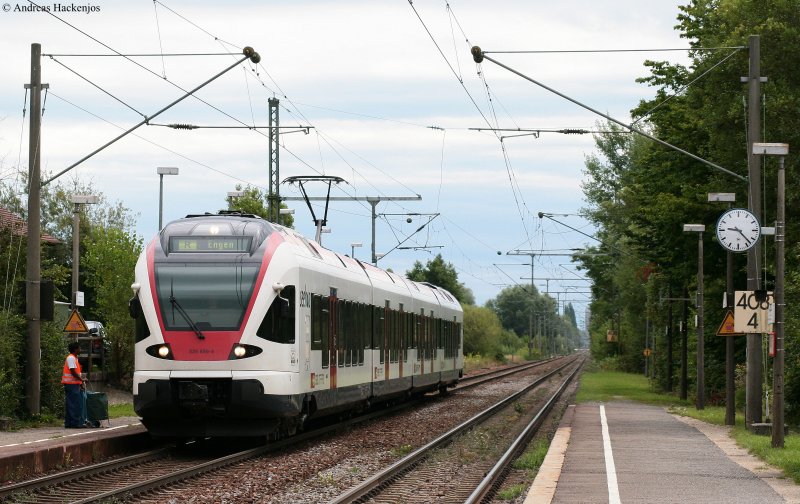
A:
(240, 351)
(161, 351)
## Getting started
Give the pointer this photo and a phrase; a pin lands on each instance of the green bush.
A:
(12, 372)
(13, 335)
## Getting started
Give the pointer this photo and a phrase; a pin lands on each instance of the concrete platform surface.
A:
(625, 452)
(28, 452)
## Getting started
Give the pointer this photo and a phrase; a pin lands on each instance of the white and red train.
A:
(245, 328)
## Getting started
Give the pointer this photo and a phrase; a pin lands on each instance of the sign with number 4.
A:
(751, 315)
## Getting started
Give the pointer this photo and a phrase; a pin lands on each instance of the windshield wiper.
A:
(186, 317)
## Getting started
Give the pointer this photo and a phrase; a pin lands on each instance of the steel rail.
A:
(80, 472)
(44, 482)
(359, 492)
(495, 474)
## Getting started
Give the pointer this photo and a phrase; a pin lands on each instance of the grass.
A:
(512, 492)
(121, 410)
(49, 420)
(473, 362)
(609, 385)
(533, 457)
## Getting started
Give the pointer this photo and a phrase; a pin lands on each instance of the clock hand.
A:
(747, 241)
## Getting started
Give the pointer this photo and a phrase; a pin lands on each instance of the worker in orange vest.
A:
(73, 388)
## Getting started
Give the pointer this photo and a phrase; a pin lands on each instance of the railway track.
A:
(401, 482)
(139, 474)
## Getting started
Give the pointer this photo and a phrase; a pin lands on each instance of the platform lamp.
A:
(78, 200)
(700, 401)
(163, 170)
(781, 150)
(353, 248)
(285, 211)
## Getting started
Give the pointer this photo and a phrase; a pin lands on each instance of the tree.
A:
(569, 315)
(534, 317)
(640, 193)
(483, 334)
(109, 261)
(253, 201)
(441, 274)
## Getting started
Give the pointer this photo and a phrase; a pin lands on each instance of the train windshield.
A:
(213, 296)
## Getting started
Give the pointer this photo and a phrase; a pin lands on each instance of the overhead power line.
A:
(567, 51)
(479, 55)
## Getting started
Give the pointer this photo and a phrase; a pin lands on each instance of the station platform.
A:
(26, 453)
(625, 452)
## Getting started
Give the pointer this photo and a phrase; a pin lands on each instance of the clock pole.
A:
(730, 354)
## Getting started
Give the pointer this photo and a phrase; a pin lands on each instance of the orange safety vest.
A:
(67, 378)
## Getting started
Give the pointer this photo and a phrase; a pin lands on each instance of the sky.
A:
(393, 101)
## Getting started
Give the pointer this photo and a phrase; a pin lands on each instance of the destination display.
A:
(210, 243)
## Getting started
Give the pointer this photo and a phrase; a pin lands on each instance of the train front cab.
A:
(251, 395)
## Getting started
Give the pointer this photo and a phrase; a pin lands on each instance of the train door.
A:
(333, 345)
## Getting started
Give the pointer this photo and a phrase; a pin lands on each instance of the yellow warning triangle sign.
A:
(75, 324)
(727, 327)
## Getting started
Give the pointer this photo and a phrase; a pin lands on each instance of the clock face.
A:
(738, 230)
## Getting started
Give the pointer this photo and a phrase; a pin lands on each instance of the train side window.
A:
(363, 331)
(393, 336)
(410, 343)
(141, 328)
(401, 333)
(347, 330)
(278, 323)
(377, 330)
(445, 339)
(340, 337)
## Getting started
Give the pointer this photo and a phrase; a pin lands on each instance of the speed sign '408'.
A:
(751, 315)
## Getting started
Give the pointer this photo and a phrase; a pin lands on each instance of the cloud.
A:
(371, 81)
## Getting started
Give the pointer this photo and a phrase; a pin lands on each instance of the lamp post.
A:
(232, 197)
(353, 248)
(285, 211)
(77, 200)
(163, 170)
(701, 379)
(781, 150)
(730, 384)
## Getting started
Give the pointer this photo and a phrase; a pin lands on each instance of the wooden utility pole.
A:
(34, 253)
(754, 372)
(669, 343)
(684, 383)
